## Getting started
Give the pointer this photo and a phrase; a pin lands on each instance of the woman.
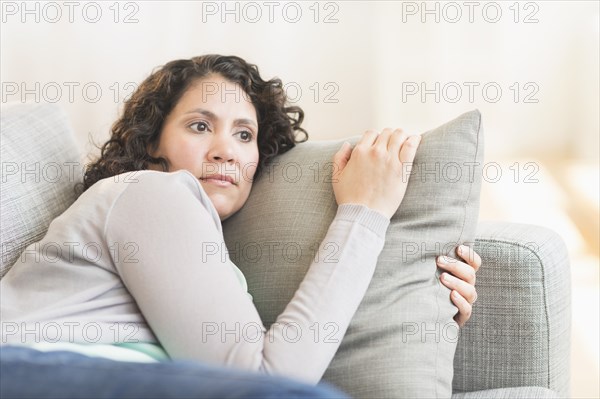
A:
(180, 160)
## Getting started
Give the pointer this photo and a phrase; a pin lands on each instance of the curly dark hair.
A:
(146, 110)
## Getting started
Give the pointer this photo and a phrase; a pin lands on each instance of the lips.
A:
(219, 179)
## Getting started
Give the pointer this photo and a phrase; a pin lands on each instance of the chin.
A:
(225, 215)
(225, 205)
(224, 212)
(224, 218)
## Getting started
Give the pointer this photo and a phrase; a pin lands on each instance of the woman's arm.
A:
(185, 286)
(192, 299)
(383, 157)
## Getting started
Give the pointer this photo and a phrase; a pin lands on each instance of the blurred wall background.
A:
(531, 68)
(351, 65)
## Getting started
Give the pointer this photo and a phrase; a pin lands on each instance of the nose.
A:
(221, 149)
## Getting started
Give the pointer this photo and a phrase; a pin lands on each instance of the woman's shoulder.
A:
(103, 194)
(138, 178)
(94, 206)
(139, 186)
(169, 187)
(155, 190)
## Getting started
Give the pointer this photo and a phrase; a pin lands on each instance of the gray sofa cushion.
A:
(40, 166)
(402, 340)
(519, 334)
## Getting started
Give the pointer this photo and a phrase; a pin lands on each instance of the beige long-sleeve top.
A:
(133, 260)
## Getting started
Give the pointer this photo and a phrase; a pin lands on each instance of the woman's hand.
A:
(460, 278)
(374, 172)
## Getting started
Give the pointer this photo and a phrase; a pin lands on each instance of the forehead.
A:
(218, 93)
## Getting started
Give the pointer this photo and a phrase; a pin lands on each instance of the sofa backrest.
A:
(40, 166)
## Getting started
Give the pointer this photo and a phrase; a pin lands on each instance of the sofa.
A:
(516, 344)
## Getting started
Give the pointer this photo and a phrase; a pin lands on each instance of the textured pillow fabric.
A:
(402, 340)
(40, 167)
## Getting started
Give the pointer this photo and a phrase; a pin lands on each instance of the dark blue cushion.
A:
(30, 373)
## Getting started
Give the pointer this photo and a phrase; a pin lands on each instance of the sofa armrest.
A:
(520, 330)
(509, 393)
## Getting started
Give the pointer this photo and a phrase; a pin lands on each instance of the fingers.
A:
(459, 269)
(409, 148)
(342, 156)
(382, 140)
(398, 137)
(367, 139)
(465, 289)
(460, 278)
(464, 308)
(394, 141)
(377, 171)
(470, 256)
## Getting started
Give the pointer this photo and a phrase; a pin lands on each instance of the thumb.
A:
(342, 156)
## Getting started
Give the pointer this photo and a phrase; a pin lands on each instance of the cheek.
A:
(247, 175)
(252, 165)
(249, 162)
(184, 153)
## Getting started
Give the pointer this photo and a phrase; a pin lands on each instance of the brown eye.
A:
(200, 126)
(246, 136)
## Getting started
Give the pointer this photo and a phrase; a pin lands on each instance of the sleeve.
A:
(185, 287)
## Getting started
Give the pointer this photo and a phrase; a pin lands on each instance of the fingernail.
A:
(463, 249)
(455, 294)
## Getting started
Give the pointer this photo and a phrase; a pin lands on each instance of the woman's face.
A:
(213, 131)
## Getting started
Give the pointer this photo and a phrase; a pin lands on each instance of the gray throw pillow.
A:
(402, 339)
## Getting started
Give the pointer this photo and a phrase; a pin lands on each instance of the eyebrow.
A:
(211, 115)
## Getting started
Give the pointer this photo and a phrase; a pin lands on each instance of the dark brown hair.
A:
(145, 112)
